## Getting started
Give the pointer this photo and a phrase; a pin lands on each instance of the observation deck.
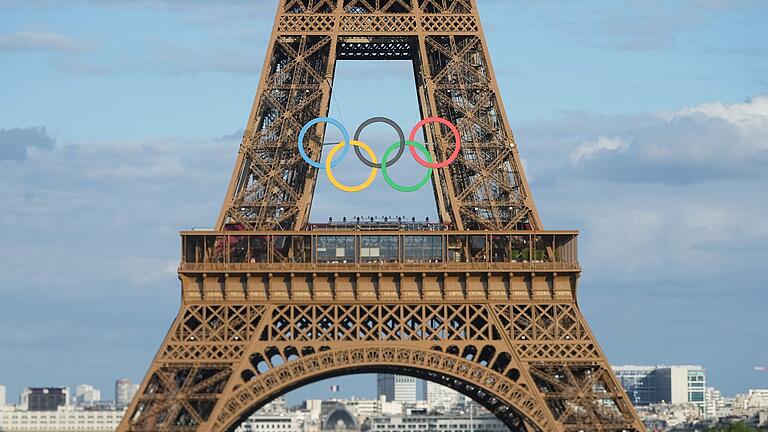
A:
(413, 262)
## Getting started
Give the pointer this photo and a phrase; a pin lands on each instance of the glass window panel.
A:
(214, 249)
(520, 248)
(378, 249)
(564, 248)
(423, 248)
(193, 249)
(477, 248)
(257, 249)
(281, 247)
(302, 249)
(457, 248)
(541, 246)
(335, 249)
(238, 249)
(501, 248)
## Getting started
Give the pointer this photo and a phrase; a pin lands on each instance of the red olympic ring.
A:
(453, 129)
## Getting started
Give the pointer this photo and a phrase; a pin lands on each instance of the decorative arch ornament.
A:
(510, 401)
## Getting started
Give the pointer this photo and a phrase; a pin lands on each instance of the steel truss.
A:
(507, 333)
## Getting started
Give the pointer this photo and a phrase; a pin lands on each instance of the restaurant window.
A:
(193, 249)
(281, 247)
(238, 248)
(257, 249)
(378, 249)
(302, 249)
(214, 249)
(335, 249)
(477, 249)
(423, 248)
(457, 248)
(509, 248)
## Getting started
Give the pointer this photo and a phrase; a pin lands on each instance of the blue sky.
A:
(642, 123)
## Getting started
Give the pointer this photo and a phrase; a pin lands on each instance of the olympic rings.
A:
(304, 131)
(328, 167)
(399, 133)
(413, 145)
(453, 129)
(391, 182)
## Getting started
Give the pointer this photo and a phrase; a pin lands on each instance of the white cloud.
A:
(713, 135)
(694, 144)
(660, 234)
(751, 114)
(588, 149)
(38, 41)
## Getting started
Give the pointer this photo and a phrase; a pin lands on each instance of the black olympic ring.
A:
(390, 122)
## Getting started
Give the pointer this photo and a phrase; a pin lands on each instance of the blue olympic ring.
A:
(344, 134)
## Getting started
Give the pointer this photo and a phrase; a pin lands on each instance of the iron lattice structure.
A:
(484, 189)
(484, 302)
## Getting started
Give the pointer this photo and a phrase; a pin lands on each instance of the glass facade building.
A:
(663, 384)
(396, 388)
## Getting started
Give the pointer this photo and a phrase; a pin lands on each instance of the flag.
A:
(335, 388)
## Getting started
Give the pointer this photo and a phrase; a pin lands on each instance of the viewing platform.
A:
(419, 263)
(425, 247)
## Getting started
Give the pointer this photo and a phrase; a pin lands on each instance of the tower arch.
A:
(510, 401)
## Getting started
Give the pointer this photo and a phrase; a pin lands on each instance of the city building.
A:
(271, 423)
(44, 398)
(715, 404)
(661, 417)
(396, 388)
(762, 419)
(124, 391)
(647, 385)
(86, 395)
(63, 419)
(440, 397)
(363, 407)
(275, 407)
(682, 384)
(639, 382)
(753, 400)
(2, 396)
(337, 417)
(430, 423)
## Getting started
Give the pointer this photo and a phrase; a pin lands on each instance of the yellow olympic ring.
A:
(345, 188)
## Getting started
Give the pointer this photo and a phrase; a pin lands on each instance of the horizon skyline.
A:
(332, 381)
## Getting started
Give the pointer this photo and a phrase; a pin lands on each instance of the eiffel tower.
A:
(483, 302)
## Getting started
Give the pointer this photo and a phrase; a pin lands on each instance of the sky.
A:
(643, 124)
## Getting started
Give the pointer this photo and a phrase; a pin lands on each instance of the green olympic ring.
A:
(394, 185)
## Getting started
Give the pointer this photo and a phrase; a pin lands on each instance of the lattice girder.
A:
(514, 358)
(484, 188)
